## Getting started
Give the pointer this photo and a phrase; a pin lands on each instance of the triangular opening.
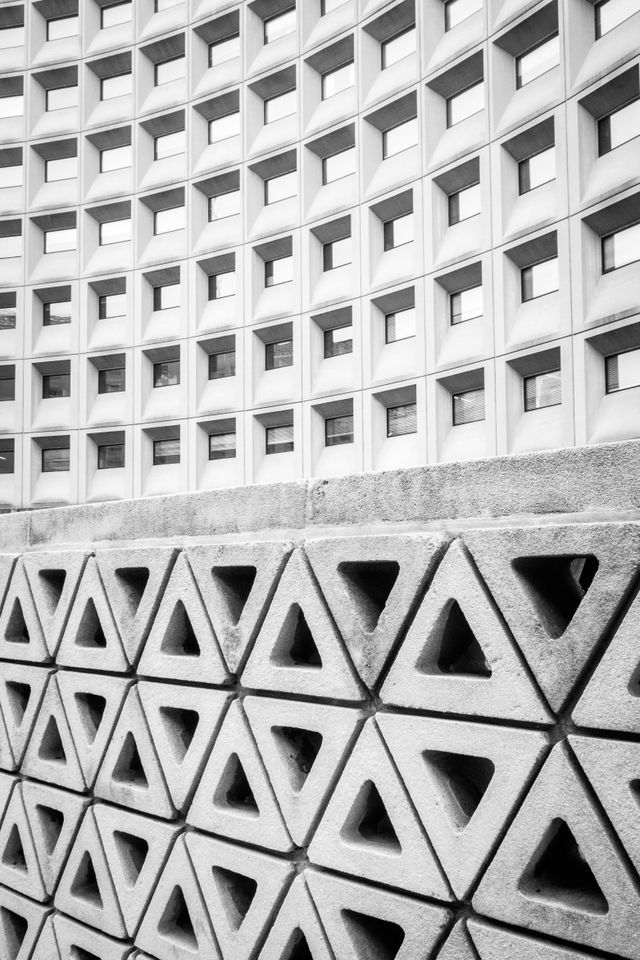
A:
(79, 953)
(297, 948)
(133, 854)
(133, 583)
(181, 726)
(369, 583)
(463, 780)
(559, 872)
(18, 695)
(85, 883)
(17, 631)
(52, 582)
(235, 584)
(233, 789)
(15, 930)
(459, 652)
(50, 822)
(90, 633)
(91, 708)
(13, 854)
(556, 587)
(297, 647)
(176, 921)
(369, 821)
(299, 748)
(180, 639)
(129, 769)
(51, 748)
(237, 891)
(373, 938)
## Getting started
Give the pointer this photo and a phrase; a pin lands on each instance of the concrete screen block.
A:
(53, 578)
(19, 867)
(22, 688)
(23, 921)
(495, 943)
(53, 817)
(21, 636)
(51, 753)
(7, 563)
(297, 930)
(458, 945)
(75, 938)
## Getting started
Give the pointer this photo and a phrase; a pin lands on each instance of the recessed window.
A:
(402, 420)
(11, 106)
(161, 5)
(539, 279)
(279, 439)
(56, 314)
(222, 365)
(536, 170)
(280, 25)
(538, 60)
(339, 165)
(115, 158)
(338, 430)
(621, 248)
(168, 145)
(281, 188)
(60, 98)
(278, 271)
(168, 220)
(224, 50)
(622, 370)
(7, 456)
(543, 390)
(115, 14)
(398, 232)
(284, 105)
(468, 407)
(169, 70)
(110, 456)
(338, 341)
(8, 311)
(397, 48)
(7, 383)
(10, 246)
(223, 205)
(611, 13)
(466, 305)
(166, 452)
(56, 386)
(465, 204)
(619, 127)
(455, 11)
(112, 305)
(222, 446)
(328, 6)
(61, 168)
(399, 138)
(57, 241)
(114, 231)
(11, 176)
(223, 128)
(222, 285)
(278, 354)
(335, 81)
(61, 27)
(400, 325)
(166, 373)
(166, 296)
(465, 104)
(117, 86)
(55, 459)
(112, 380)
(336, 253)
(11, 37)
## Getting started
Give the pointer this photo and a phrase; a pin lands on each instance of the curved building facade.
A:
(259, 241)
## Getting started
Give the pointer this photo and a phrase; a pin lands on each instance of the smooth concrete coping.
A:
(590, 483)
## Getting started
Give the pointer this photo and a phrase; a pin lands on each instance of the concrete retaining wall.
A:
(390, 717)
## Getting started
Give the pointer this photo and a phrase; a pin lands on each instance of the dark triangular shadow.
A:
(180, 639)
(463, 779)
(556, 587)
(373, 938)
(238, 892)
(300, 749)
(369, 582)
(235, 584)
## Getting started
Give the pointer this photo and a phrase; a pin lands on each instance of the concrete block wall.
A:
(387, 717)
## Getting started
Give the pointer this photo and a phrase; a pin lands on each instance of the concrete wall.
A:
(388, 717)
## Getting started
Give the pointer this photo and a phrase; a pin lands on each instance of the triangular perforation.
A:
(233, 791)
(51, 753)
(560, 873)
(19, 868)
(297, 646)
(459, 652)
(90, 639)
(53, 578)
(236, 584)
(238, 892)
(373, 937)
(300, 749)
(556, 586)
(22, 687)
(369, 821)
(176, 923)
(465, 778)
(370, 582)
(296, 933)
(21, 636)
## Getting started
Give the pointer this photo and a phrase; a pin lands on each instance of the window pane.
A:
(10, 246)
(117, 158)
(398, 47)
(281, 188)
(621, 248)
(222, 446)
(8, 311)
(112, 305)
(55, 459)
(56, 241)
(7, 456)
(222, 365)
(56, 386)
(54, 314)
(339, 165)
(11, 37)
(622, 370)
(222, 285)
(465, 104)
(279, 439)
(115, 231)
(466, 305)
(402, 420)
(398, 232)
(61, 98)
(400, 325)
(11, 176)
(399, 138)
(543, 390)
(338, 253)
(468, 407)
(62, 27)
(328, 6)
(279, 354)
(118, 86)
(539, 279)
(610, 13)
(224, 50)
(222, 128)
(536, 170)
(170, 70)
(115, 14)
(63, 168)
(619, 127)
(166, 221)
(166, 452)
(465, 204)
(166, 4)
(169, 145)
(166, 297)
(338, 80)
(537, 61)
(112, 381)
(166, 373)
(278, 271)
(338, 430)
(110, 456)
(7, 384)
(224, 205)
(12, 106)
(455, 11)
(280, 25)
(338, 341)
(281, 106)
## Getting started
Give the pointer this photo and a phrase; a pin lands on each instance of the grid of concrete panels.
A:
(451, 111)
